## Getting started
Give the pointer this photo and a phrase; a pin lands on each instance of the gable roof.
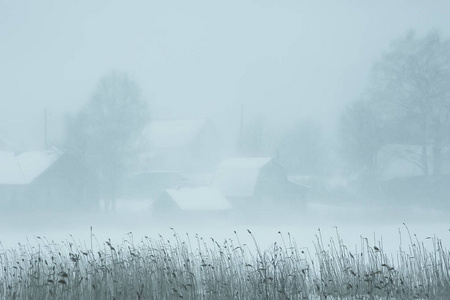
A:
(6, 145)
(237, 177)
(199, 199)
(173, 133)
(23, 168)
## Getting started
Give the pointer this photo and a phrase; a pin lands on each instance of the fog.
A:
(236, 115)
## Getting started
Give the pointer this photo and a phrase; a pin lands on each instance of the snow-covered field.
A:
(111, 243)
(318, 219)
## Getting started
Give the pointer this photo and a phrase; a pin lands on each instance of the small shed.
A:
(250, 181)
(201, 201)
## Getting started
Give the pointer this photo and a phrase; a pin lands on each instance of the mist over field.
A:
(247, 120)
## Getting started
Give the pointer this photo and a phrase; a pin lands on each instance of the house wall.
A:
(164, 209)
(10, 196)
(271, 184)
(273, 188)
(204, 151)
(65, 185)
(70, 184)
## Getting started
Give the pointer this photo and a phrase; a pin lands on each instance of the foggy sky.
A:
(285, 60)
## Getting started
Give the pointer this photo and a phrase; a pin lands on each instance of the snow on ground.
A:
(305, 229)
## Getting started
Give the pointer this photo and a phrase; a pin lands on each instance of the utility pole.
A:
(242, 121)
(241, 131)
(45, 129)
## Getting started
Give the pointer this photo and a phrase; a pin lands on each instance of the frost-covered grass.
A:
(191, 267)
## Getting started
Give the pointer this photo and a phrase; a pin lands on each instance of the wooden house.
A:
(254, 181)
(48, 180)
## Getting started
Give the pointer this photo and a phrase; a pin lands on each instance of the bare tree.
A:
(411, 87)
(104, 132)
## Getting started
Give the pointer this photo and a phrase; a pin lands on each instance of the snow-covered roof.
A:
(173, 133)
(6, 145)
(23, 168)
(199, 199)
(237, 177)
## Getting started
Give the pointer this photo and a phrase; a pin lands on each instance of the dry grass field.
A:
(191, 267)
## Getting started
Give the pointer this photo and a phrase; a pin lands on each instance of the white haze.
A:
(284, 59)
